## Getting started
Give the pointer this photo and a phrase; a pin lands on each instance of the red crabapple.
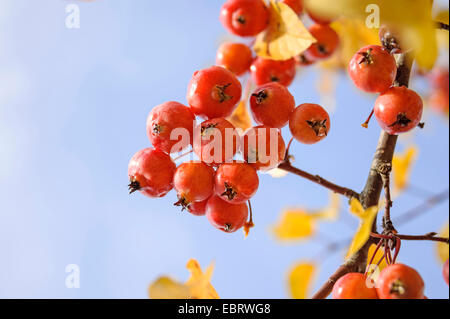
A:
(151, 172)
(326, 45)
(236, 182)
(217, 142)
(373, 69)
(244, 17)
(163, 120)
(445, 271)
(214, 92)
(398, 110)
(236, 57)
(271, 104)
(263, 147)
(353, 286)
(194, 182)
(264, 71)
(198, 208)
(309, 123)
(225, 216)
(399, 281)
(295, 5)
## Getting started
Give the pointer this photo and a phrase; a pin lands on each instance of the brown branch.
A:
(374, 184)
(384, 169)
(287, 166)
(429, 236)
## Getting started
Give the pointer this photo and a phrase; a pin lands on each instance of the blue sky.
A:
(73, 106)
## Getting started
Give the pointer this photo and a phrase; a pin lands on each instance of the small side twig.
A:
(429, 236)
(384, 169)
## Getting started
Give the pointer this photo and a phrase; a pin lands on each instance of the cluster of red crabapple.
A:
(217, 185)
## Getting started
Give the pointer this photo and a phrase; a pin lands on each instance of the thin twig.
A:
(349, 193)
(430, 236)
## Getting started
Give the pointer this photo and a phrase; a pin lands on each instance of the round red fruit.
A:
(198, 208)
(263, 147)
(151, 172)
(354, 286)
(398, 110)
(165, 118)
(309, 123)
(236, 57)
(271, 105)
(225, 216)
(372, 69)
(264, 71)
(295, 5)
(236, 182)
(194, 182)
(244, 17)
(326, 45)
(216, 141)
(445, 271)
(214, 92)
(399, 281)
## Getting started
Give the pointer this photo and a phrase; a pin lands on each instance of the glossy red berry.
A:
(236, 57)
(354, 286)
(217, 141)
(236, 182)
(264, 71)
(225, 216)
(263, 147)
(309, 123)
(295, 5)
(244, 17)
(372, 69)
(163, 119)
(151, 172)
(445, 271)
(399, 281)
(326, 45)
(398, 110)
(271, 104)
(194, 182)
(214, 92)
(198, 208)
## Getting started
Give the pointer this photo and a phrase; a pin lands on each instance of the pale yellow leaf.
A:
(367, 217)
(411, 19)
(442, 248)
(331, 212)
(286, 36)
(300, 280)
(166, 288)
(401, 167)
(240, 118)
(198, 286)
(295, 224)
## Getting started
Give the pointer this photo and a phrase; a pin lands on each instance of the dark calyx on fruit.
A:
(366, 57)
(319, 127)
(402, 120)
(133, 186)
(230, 193)
(182, 202)
(219, 93)
(260, 96)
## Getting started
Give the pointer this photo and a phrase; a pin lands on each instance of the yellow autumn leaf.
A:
(331, 212)
(294, 224)
(198, 286)
(442, 35)
(378, 256)
(240, 118)
(300, 280)
(412, 20)
(285, 37)
(353, 35)
(367, 217)
(401, 167)
(442, 248)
